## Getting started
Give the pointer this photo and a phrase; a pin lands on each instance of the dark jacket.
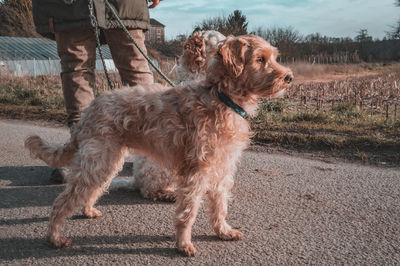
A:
(58, 15)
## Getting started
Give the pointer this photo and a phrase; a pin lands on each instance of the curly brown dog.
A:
(196, 130)
(152, 180)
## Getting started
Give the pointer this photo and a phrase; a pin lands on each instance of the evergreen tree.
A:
(363, 36)
(235, 24)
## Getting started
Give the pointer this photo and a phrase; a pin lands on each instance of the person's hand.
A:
(155, 3)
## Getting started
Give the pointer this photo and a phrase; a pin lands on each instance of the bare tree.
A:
(279, 36)
(394, 34)
(283, 38)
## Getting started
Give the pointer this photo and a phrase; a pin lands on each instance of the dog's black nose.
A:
(288, 78)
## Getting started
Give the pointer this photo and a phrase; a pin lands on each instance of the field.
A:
(352, 113)
(349, 111)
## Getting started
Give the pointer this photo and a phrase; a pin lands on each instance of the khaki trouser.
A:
(77, 50)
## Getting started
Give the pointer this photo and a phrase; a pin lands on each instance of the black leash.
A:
(137, 45)
(95, 26)
(96, 30)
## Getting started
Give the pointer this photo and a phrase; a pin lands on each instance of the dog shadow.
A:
(94, 245)
(31, 186)
(88, 245)
(39, 175)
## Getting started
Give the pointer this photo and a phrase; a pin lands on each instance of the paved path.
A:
(292, 210)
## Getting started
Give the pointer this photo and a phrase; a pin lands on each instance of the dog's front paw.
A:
(60, 242)
(187, 249)
(231, 235)
(92, 213)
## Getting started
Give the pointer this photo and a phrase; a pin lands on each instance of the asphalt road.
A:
(292, 210)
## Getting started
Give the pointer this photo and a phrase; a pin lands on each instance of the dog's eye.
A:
(261, 59)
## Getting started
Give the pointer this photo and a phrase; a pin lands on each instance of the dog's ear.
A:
(232, 52)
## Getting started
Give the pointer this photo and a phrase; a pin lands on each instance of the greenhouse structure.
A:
(37, 56)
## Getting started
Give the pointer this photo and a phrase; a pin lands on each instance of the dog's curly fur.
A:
(152, 180)
(186, 129)
(196, 51)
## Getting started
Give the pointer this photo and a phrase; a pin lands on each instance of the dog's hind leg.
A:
(218, 197)
(92, 168)
(63, 206)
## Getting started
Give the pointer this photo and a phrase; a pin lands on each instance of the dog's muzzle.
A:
(289, 77)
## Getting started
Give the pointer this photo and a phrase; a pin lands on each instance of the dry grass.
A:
(354, 117)
(39, 97)
(305, 72)
(43, 91)
(333, 108)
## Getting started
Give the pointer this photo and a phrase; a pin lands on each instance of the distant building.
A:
(38, 56)
(156, 33)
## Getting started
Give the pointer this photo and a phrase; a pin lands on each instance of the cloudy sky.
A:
(339, 18)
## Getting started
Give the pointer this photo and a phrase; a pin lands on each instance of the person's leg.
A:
(77, 51)
(132, 66)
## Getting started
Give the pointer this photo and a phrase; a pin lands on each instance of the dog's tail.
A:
(54, 155)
